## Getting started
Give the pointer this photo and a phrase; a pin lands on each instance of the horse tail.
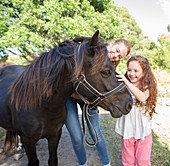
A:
(10, 143)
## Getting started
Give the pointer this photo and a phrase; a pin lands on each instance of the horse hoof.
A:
(19, 154)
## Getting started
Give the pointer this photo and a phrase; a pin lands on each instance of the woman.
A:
(117, 50)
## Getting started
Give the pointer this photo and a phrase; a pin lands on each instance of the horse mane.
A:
(37, 81)
(99, 54)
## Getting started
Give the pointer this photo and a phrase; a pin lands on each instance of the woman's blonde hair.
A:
(119, 41)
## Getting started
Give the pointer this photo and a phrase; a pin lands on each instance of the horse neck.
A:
(64, 92)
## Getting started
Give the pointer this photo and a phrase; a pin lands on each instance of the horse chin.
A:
(116, 113)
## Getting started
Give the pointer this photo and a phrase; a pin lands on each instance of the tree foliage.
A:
(164, 52)
(158, 56)
(35, 26)
(168, 28)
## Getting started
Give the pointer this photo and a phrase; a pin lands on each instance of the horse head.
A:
(96, 78)
(48, 77)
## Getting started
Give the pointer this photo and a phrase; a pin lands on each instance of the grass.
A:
(160, 155)
(113, 140)
(2, 133)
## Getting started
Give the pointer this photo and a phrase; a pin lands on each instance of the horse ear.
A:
(94, 40)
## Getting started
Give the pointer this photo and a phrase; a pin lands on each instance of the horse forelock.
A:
(99, 57)
(37, 82)
(79, 58)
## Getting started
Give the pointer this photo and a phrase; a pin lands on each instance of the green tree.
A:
(35, 26)
(99, 5)
(168, 27)
(164, 52)
(132, 32)
(32, 27)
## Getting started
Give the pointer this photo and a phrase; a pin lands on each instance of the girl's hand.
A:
(141, 96)
(121, 77)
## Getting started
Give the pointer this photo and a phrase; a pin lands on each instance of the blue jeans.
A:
(74, 128)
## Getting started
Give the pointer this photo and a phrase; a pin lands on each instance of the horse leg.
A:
(30, 149)
(52, 146)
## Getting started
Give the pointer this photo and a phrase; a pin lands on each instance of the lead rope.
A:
(86, 112)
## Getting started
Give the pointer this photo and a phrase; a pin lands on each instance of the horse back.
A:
(8, 75)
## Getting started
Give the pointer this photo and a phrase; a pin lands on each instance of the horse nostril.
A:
(129, 106)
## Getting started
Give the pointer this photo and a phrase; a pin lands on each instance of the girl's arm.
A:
(141, 96)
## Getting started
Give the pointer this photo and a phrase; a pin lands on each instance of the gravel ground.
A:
(66, 155)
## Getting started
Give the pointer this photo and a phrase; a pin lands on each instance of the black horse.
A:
(33, 97)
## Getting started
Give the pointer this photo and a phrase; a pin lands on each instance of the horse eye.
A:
(106, 73)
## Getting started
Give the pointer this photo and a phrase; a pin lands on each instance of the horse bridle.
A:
(92, 105)
(99, 96)
(81, 80)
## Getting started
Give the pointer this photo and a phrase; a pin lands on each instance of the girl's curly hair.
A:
(147, 82)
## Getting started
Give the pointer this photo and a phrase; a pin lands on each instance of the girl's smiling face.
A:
(135, 72)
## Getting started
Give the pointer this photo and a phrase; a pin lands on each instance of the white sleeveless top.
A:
(135, 124)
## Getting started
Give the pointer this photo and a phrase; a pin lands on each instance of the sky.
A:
(152, 16)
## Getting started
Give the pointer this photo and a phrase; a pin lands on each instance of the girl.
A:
(117, 49)
(135, 128)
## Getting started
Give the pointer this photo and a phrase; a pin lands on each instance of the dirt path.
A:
(66, 155)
